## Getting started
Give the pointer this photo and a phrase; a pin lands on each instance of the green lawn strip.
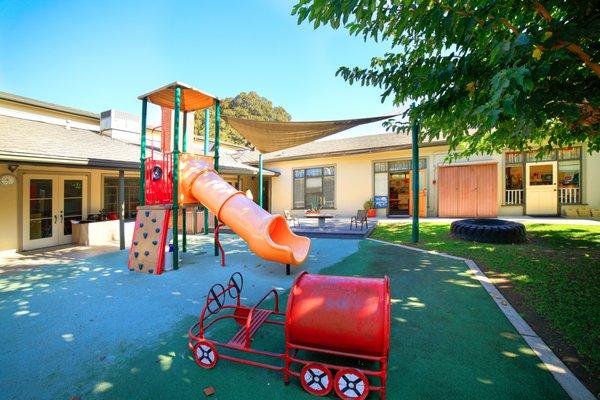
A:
(556, 271)
(449, 340)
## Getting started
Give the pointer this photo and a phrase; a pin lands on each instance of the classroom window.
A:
(111, 195)
(313, 184)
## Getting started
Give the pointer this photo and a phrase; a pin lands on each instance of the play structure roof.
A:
(270, 136)
(192, 99)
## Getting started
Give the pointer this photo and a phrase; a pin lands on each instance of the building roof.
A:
(338, 147)
(48, 106)
(25, 141)
(33, 141)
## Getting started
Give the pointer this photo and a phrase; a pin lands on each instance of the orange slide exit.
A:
(268, 236)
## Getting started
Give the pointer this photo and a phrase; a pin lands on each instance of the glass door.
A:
(399, 193)
(73, 205)
(40, 212)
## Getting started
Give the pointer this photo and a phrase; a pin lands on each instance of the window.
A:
(313, 185)
(569, 153)
(569, 181)
(532, 156)
(111, 195)
(541, 175)
(513, 178)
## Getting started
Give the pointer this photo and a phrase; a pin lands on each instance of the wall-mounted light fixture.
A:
(13, 167)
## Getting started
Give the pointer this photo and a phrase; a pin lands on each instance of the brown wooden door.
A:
(468, 191)
(422, 193)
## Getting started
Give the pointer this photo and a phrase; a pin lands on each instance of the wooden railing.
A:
(569, 195)
(513, 196)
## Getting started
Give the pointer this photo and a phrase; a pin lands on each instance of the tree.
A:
(245, 105)
(486, 75)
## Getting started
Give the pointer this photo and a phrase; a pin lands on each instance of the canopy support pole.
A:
(176, 180)
(184, 210)
(217, 140)
(415, 181)
(143, 153)
(121, 209)
(206, 151)
(260, 180)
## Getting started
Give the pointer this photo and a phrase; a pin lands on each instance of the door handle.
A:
(61, 217)
(55, 218)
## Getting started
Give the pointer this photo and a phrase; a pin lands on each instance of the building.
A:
(59, 164)
(345, 173)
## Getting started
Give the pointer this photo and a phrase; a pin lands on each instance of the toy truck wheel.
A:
(316, 379)
(205, 354)
(351, 384)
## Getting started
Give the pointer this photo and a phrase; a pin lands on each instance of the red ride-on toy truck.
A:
(344, 317)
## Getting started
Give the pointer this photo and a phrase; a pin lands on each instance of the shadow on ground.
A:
(449, 340)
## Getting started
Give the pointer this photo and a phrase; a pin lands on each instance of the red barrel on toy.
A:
(340, 313)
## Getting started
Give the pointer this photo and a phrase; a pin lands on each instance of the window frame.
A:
(304, 169)
(111, 176)
(581, 176)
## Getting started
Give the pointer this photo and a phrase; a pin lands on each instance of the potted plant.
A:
(315, 206)
(369, 206)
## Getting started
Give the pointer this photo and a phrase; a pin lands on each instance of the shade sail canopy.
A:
(191, 98)
(269, 136)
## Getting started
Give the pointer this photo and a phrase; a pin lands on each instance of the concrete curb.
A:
(563, 375)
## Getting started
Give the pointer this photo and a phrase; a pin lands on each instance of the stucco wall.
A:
(354, 179)
(11, 198)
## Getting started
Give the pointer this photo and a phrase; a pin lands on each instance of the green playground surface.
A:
(449, 340)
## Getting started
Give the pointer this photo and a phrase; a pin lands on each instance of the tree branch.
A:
(572, 47)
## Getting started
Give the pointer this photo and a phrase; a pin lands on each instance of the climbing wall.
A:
(149, 236)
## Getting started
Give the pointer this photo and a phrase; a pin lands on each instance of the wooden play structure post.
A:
(206, 151)
(176, 179)
(415, 180)
(143, 153)
(216, 165)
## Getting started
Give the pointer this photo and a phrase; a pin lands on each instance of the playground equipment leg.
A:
(287, 269)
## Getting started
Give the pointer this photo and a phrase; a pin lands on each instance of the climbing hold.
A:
(145, 234)
(140, 266)
(150, 271)
(153, 220)
(132, 269)
(135, 242)
(154, 242)
(141, 224)
(157, 230)
(136, 254)
(147, 213)
(146, 253)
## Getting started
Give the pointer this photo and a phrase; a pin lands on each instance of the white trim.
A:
(31, 116)
(563, 375)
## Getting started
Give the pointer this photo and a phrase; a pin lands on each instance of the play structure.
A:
(172, 181)
(346, 319)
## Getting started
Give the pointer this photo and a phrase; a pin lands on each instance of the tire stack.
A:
(488, 230)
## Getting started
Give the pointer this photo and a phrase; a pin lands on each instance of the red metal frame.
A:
(247, 318)
(218, 242)
(159, 191)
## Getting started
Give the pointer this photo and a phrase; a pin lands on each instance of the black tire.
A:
(488, 230)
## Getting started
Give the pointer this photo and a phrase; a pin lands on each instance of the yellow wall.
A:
(354, 179)
(11, 212)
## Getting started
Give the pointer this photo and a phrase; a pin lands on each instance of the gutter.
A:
(32, 159)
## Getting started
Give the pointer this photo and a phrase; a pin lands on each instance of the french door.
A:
(50, 203)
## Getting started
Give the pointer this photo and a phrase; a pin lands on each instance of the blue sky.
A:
(103, 54)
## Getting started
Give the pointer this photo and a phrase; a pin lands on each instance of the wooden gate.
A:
(468, 190)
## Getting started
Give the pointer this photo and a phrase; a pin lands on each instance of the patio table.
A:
(321, 217)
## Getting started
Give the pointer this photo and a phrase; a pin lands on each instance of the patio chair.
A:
(289, 218)
(361, 216)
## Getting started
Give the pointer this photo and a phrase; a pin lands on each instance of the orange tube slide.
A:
(268, 236)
